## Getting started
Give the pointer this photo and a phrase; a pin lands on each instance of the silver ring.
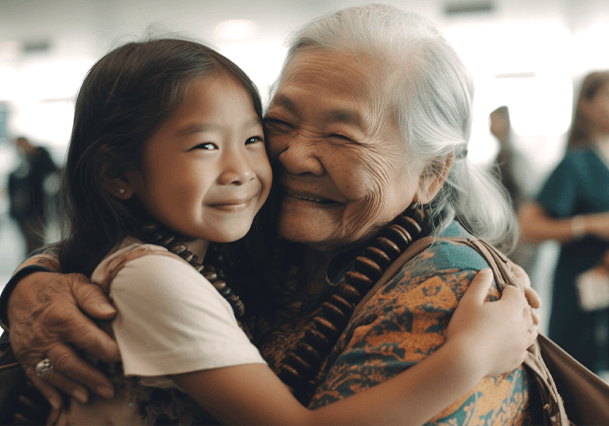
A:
(43, 368)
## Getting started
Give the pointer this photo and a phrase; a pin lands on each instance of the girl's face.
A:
(205, 171)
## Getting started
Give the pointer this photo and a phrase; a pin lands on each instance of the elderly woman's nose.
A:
(236, 169)
(302, 157)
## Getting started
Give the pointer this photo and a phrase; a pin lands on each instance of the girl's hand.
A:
(531, 295)
(496, 335)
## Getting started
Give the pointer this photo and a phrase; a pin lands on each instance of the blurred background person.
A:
(573, 209)
(499, 123)
(508, 163)
(27, 195)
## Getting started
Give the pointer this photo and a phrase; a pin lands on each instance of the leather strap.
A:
(553, 407)
(414, 249)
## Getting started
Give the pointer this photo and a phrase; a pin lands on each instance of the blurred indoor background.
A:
(526, 54)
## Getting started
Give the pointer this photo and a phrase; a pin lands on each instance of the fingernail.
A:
(485, 271)
(80, 395)
(105, 391)
(106, 308)
(55, 403)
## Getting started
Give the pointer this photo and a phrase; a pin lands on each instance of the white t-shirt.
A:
(170, 319)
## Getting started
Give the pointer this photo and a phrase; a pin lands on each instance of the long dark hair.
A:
(579, 134)
(126, 96)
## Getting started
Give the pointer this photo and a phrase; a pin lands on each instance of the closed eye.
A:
(343, 137)
(273, 122)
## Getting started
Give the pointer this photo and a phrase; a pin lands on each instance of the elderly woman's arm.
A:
(44, 311)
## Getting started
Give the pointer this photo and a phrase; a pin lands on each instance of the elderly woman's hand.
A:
(45, 313)
(495, 334)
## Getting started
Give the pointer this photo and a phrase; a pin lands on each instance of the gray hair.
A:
(430, 92)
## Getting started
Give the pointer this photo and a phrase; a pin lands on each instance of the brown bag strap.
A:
(553, 407)
(415, 248)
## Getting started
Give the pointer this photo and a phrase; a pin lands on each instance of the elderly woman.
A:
(369, 126)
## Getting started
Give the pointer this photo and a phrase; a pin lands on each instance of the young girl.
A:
(167, 156)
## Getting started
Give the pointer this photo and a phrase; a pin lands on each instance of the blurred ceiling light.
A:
(235, 29)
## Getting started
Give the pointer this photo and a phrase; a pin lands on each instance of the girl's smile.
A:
(206, 173)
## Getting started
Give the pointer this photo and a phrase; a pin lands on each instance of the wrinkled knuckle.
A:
(87, 338)
(58, 317)
(88, 293)
(79, 282)
(63, 361)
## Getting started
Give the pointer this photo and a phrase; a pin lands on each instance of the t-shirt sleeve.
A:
(171, 320)
(559, 194)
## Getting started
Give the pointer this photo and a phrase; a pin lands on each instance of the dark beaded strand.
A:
(154, 234)
(301, 364)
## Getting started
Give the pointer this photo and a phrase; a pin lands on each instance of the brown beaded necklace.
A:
(301, 364)
(153, 233)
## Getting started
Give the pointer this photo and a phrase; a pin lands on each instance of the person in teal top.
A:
(573, 208)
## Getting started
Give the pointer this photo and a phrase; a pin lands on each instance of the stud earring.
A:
(121, 191)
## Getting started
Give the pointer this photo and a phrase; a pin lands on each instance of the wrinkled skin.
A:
(344, 176)
(44, 318)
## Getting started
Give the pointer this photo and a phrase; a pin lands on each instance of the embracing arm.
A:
(65, 300)
(404, 325)
(45, 312)
(41, 260)
(252, 394)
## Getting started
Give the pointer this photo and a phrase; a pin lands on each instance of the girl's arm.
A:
(252, 394)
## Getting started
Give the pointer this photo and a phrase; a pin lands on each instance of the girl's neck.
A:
(198, 248)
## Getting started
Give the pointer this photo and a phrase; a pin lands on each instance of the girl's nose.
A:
(236, 170)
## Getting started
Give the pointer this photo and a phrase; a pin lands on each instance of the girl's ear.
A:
(116, 180)
(431, 183)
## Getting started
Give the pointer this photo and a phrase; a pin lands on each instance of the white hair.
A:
(430, 92)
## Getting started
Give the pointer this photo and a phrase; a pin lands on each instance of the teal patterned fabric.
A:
(403, 323)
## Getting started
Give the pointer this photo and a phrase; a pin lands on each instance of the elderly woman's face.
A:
(344, 168)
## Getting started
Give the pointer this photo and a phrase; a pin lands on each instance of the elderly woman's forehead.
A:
(369, 71)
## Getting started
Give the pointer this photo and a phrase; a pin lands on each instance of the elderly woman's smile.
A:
(308, 188)
(344, 168)
(304, 197)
